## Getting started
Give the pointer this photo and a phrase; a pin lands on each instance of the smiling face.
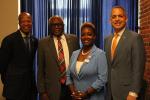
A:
(118, 19)
(25, 22)
(87, 36)
(56, 26)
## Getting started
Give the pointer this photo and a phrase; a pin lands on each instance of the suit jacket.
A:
(17, 65)
(93, 73)
(1, 65)
(48, 73)
(126, 69)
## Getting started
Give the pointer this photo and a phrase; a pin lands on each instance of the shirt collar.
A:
(62, 37)
(121, 32)
(24, 35)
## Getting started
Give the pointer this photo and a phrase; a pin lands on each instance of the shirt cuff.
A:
(133, 94)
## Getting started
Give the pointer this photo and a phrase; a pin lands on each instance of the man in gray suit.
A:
(49, 85)
(125, 61)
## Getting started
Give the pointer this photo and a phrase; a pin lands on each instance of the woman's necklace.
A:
(85, 53)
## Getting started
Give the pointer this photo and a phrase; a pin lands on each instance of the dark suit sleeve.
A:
(77, 45)
(0, 59)
(6, 54)
(138, 62)
(73, 43)
(6, 47)
(105, 40)
(1, 71)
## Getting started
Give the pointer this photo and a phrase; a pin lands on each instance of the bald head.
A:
(24, 14)
(25, 22)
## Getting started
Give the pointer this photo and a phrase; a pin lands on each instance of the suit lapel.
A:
(68, 40)
(81, 73)
(109, 48)
(74, 64)
(20, 38)
(31, 44)
(53, 48)
(85, 64)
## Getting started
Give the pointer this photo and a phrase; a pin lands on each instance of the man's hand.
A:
(44, 96)
(129, 97)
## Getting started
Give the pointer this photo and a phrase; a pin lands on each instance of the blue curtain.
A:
(75, 12)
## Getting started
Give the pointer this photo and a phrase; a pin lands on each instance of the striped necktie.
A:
(62, 65)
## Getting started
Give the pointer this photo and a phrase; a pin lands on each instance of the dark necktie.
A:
(62, 65)
(27, 42)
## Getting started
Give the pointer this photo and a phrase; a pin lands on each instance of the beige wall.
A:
(8, 17)
(8, 22)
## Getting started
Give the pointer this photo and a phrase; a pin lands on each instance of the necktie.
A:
(114, 45)
(27, 42)
(62, 65)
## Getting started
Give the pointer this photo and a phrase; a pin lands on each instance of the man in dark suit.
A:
(125, 56)
(49, 85)
(18, 58)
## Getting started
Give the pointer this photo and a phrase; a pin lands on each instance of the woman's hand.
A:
(78, 95)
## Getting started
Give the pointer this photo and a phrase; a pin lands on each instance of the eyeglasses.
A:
(57, 24)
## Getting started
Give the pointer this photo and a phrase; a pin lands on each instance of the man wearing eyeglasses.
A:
(53, 59)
